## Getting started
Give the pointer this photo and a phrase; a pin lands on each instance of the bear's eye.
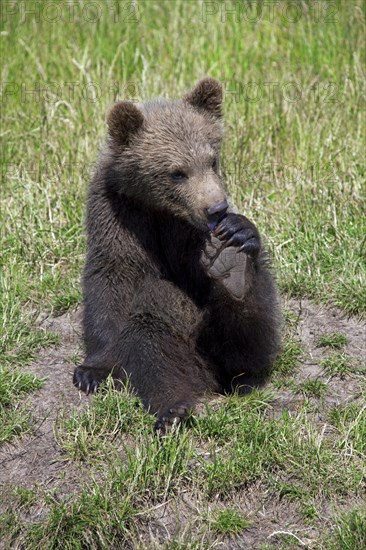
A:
(178, 175)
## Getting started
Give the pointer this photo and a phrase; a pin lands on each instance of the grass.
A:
(350, 532)
(229, 521)
(312, 388)
(236, 443)
(289, 360)
(337, 364)
(228, 449)
(14, 416)
(293, 161)
(83, 433)
(351, 422)
(334, 340)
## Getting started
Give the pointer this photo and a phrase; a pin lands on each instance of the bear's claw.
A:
(174, 416)
(88, 379)
(239, 231)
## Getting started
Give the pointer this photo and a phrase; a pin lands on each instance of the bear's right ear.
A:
(206, 96)
(124, 119)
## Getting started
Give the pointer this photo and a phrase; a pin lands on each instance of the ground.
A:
(284, 509)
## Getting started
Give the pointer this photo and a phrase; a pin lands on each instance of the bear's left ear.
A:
(206, 95)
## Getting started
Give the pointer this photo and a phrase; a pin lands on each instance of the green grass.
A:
(289, 360)
(350, 532)
(14, 417)
(107, 511)
(351, 422)
(312, 388)
(334, 340)
(22, 342)
(227, 450)
(229, 521)
(290, 357)
(337, 364)
(293, 161)
(89, 517)
(84, 434)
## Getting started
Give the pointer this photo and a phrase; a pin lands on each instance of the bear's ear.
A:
(124, 119)
(206, 95)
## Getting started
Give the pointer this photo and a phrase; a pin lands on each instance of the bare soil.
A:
(314, 321)
(36, 458)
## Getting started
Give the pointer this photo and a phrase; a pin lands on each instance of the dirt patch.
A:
(36, 458)
(314, 322)
(267, 515)
(272, 521)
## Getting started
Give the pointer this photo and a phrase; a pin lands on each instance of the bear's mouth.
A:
(214, 222)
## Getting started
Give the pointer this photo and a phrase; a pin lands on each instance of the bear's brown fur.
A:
(178, 295)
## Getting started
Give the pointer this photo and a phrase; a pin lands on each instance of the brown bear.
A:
(178, 294)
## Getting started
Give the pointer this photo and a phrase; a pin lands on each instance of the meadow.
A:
(281, 468)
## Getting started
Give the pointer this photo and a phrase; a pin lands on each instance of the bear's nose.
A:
(218, 210)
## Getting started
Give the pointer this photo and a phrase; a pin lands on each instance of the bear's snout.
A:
(217, 210)
(216, 213)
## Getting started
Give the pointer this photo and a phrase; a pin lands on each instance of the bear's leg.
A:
(163, 370)
(243, 330)
(155, 348)
(244, 336)
(157, 352)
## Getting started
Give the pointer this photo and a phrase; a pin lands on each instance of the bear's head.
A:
(166, 153)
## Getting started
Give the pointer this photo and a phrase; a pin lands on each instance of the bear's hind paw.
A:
(172, 418)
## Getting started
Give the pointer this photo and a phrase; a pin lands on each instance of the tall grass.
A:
(293, 158)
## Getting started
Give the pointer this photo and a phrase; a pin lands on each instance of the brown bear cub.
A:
(178, 295)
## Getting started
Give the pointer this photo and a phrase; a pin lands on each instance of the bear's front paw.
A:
(88, 379)
(173, 416)
(238, 231)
